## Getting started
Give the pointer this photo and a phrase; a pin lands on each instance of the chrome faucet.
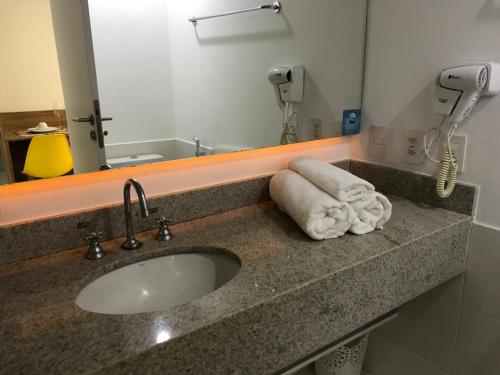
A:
(132, 243)
(198, 151)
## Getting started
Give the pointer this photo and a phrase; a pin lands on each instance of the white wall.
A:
(131, 49)
(219, 68)
(155, 69)
(454, 329)
(408, 42)
(29, 71)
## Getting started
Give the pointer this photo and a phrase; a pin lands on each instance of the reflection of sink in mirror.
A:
(129, 161)
(159, 283)
(136, 153)
(170, 149)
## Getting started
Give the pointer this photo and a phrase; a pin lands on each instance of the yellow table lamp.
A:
(48, 156)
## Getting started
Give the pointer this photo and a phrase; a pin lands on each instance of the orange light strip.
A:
(30, 187)
(52, 197)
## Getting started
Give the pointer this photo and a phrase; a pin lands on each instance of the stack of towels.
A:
(326, 201)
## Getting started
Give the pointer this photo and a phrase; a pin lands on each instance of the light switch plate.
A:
(378, 138)
(316, 127)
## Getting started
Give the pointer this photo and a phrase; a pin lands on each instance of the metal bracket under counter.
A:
(293, 368)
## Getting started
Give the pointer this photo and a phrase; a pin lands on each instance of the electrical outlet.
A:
(413, 150)
(459, 149)
(316, 127)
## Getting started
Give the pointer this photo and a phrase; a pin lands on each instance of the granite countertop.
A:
(42, 331)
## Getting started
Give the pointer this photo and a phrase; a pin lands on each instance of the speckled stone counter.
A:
(291, 297)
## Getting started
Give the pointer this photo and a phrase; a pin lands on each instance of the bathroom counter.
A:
(292, 296)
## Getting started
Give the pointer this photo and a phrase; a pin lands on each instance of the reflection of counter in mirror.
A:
(16, 138)
(165, 81)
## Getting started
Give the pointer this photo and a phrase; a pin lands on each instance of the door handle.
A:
(99, 119)
(99, 133)
(90, 119)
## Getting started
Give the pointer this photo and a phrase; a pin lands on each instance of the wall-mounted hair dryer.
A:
(461, 86)
(288, 82)
(459, 89)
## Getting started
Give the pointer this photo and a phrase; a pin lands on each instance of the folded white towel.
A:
(371, 213)
(340, 184)
(318, 214)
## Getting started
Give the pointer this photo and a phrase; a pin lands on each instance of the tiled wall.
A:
(453, 329)
(478, 343)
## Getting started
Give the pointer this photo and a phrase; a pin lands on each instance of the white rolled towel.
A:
(318, 214)
(340, 184)
(371, 213)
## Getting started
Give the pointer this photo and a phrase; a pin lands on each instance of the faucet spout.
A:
(131, 243)
(197, 143)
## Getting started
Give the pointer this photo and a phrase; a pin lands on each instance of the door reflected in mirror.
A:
(118, 83)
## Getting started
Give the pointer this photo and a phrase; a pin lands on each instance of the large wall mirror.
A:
(87, 85)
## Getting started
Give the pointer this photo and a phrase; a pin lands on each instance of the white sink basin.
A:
(159, 283)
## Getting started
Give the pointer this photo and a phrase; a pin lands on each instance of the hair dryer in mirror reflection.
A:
(288, 83)
(459, 89)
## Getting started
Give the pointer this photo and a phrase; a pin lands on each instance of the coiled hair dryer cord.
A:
(447, 178)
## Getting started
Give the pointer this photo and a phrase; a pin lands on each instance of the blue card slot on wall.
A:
(351, 123)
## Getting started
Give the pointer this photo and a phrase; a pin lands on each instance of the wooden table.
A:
(12, 135)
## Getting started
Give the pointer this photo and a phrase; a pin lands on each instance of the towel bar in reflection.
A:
(275, 7)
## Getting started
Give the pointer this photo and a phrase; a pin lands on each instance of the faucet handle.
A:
(164, 233)
(95, 250)
(94, 237)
